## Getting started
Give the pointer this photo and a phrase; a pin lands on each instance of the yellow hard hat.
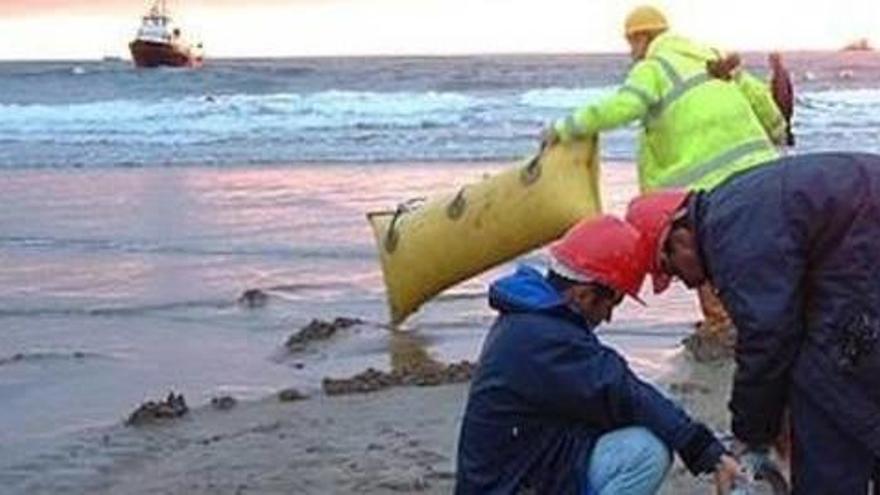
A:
(644, 18)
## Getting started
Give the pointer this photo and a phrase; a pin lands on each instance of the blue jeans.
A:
(628, 461)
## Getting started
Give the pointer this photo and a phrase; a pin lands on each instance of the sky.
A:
(84, 29)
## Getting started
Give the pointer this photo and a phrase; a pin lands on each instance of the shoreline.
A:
(492, 163)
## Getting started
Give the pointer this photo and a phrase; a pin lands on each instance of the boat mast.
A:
(159, 9)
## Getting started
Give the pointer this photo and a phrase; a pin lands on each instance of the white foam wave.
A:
(853, 111)
(339, 125)
(563, 98)
(329, 103)
(867, 96)
(211, 118)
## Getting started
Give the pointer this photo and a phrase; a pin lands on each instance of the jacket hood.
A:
(668, 42)
(527, 291)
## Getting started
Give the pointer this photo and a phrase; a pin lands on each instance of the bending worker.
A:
(793, 249)
(703, 118)
(554, 411)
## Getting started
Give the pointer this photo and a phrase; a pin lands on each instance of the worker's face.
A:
(638, 45)
(681, 258)
(595, 304)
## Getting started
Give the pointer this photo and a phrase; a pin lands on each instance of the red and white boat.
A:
(160, 43)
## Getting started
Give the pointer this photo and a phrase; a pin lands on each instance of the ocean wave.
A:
(345, 251)
(345, 126)
(864, 96)
(215, 118)
(56, 70)
(332, 125)
(237, 113)
(839, 119)
(564, 98)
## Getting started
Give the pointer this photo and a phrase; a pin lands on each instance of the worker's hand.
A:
(549, 136)
(724, 68)
(726, 472)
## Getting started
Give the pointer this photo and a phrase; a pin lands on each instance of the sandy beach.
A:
(398, 440)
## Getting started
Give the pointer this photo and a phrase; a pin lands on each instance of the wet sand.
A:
(398, 440)
(185, 325)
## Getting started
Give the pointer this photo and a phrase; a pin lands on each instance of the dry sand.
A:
(399, 440)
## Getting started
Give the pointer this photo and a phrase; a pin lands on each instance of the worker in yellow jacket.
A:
(703, 117)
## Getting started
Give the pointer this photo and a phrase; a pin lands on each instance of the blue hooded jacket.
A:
(545, 389)
(793, 249)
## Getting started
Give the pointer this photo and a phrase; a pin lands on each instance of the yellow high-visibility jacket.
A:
(696, 130)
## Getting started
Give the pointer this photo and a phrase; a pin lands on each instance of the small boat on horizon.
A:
(859, 45)
(159, 42)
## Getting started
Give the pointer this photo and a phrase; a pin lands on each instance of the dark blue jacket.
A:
(794, 251)
(545, 389)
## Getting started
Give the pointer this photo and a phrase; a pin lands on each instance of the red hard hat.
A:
(652, 214)
(607, 250)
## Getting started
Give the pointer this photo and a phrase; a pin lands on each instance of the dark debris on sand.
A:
(150, 412)
(223, 402)
(21, 357)
(291, 395)
(253, 298)
(318, 330)
(372, 380)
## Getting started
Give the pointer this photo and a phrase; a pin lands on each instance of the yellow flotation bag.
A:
(426, 248)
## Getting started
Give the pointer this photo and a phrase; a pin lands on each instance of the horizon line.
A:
(208, 58)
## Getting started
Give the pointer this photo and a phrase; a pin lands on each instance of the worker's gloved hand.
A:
(755, 461)
(724, 68)
(760, 470)
(727, 472)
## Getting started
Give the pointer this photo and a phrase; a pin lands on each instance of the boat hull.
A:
(153, 54)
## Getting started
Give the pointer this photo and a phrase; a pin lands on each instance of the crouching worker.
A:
(552, 410)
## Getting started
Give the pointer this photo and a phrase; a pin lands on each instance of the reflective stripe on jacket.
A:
(696, 130)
